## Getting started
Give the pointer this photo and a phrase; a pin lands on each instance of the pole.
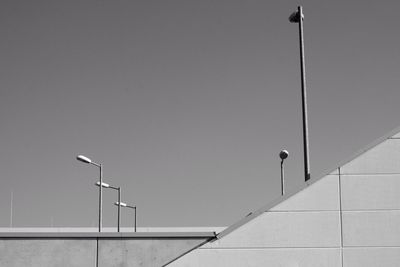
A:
(100, 196)
(304, 97)
(282, 179)
(119, 208)
(135, 218)
(11, 209)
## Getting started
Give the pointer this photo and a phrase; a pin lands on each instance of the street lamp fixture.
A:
(283, 155)
(84, 159)
(122, 204)
(89, 161)
(105, 185)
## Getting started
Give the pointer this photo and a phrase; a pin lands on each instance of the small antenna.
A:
(283, 155)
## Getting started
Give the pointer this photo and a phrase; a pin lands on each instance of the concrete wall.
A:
(80, 249)
(371, 207)
(304, 230)
(153, 252)
(349, 218)
(47, 252)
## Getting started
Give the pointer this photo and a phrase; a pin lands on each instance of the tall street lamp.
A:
(298, 17)
(89, 161)
(121, 204)
(105, 185)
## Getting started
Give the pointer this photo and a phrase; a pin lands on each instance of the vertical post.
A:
(282, 179)
(11, 208)
(119, 208)
(100, 196)
(135, 218)
(304, 95)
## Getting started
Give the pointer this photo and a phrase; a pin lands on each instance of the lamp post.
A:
(105, 185)
(283, 155)
(297, 17)
(121, 204)
(89, 161)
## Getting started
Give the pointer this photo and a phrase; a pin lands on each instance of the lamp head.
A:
(284, 154)
(84, 159)
(122, 204)
(103, 184)
(294, 17)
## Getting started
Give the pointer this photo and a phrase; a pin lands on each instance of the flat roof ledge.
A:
(139, 235)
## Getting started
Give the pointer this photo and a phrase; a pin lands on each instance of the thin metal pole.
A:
(135, 217)
(119, 208)
(282, 179)
(304, 97)
(100, 196)
(11, 209)
(97, 251)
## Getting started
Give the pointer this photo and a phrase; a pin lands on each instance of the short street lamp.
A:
(105, 185)
(89, 161)
(283, 155)
(124, 205)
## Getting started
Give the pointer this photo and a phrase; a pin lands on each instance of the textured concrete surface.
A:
(328, 257)
(143, 252)
(47, 252)
(286, 229)
(371, 228)
(383, 158)
(371, 207)
(30, 250)
(371, 257)
(396, 135)
(371, 192)
(322, 195)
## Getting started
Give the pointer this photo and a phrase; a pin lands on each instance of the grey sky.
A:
(186, 103)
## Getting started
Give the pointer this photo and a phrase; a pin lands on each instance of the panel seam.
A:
(341, 217)
(267, 248)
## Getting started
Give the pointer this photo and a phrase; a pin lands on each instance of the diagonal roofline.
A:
(267, 207)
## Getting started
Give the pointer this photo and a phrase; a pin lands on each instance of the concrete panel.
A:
(371, 228)
(286, 229)
(143, 252)
(47, 253)
(363, 192)
(383, 158)
(396, 135)
(322, 195)
(328, 257)
(371, 257)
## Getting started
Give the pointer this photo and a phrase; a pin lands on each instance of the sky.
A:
(186, 103)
